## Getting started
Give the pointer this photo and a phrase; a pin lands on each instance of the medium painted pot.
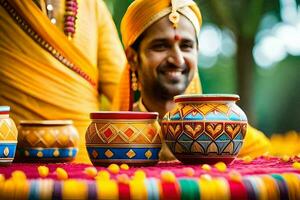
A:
(8, 136)
(47, 141)
(205, 128)
(123, 137)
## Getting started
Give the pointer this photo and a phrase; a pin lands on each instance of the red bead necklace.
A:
(70, 17)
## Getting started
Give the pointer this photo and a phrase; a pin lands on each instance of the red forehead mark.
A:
(177, 37)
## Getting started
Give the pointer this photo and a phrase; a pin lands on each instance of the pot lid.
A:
(206, 97)
(45, 122)
(123, 115)
(4, 110)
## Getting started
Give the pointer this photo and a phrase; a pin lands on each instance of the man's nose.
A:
(176, 56)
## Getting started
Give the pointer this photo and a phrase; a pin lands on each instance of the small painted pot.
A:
(47, 141)
(205, 128)
(123, 137)
(8, 136)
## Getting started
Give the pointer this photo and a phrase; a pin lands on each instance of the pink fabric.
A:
(259, 166)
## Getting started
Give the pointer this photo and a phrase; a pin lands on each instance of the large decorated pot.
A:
(8, 136)
(47, 141)
(205, 128)
(123, 137)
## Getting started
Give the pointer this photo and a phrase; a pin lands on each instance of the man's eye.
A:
(187, 46)
(159, 47)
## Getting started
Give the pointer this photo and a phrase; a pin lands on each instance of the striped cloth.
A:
(262, 178)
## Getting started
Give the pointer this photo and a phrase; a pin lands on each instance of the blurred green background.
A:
(251, 48)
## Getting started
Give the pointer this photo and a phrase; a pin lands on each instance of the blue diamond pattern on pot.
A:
(215, 115)
(176, 116)
(222, 142)
(234, 117)
(239, 136)
(236, 146)
(187, 145)
(203, 137)
(193, 116)
(184, 137)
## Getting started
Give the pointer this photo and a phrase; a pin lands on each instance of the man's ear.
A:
(132, 57)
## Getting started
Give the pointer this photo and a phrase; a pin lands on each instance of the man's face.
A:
(167, 58)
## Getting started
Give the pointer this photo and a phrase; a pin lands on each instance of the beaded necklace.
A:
(70, 16)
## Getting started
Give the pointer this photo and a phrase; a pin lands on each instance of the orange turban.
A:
(139, 16)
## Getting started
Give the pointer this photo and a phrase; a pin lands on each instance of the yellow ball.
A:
(139, 175)
(296, 165)
(2, 178)
(43, 171)
(285, 158)
(206, 177)
(123, 178)
(18, 175)
(167, 176)
(103, 175)
(91, 171)
(235, 176)
(124, 167)
(247, 159)
(61, 173)
(188, 171)
(221, 166)
(206, 167)
(113, 168)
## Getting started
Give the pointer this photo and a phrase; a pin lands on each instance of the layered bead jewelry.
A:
(70, 16)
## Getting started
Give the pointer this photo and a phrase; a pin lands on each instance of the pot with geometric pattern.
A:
(205, 128)
(123, 137)
(47, 141)
(8, 136)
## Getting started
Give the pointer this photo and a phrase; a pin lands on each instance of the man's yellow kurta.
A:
(44, 75)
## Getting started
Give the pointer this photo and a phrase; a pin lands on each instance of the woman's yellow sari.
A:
(44, 75)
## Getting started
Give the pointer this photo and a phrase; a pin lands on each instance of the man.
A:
(56, 58)
(160, 39)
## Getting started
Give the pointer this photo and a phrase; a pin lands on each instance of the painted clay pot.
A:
(8, 136)
(123, 137)
(47, 141)
(205, 128)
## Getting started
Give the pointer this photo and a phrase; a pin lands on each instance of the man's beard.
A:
(166, 91)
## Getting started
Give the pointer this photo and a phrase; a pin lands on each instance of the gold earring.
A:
(134, 81)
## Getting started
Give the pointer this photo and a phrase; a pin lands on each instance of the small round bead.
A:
(206, 167)
(167, 176)
(114, 168)
(139, 175)
(123, 166)
(61, 173)
(296, 165)
(18, 175)
(103, 175)
(123, 178)
(247, 159)
(2, 178)
(221, 166)
(206, 177)
(43, 171)
(188, 171)
(235, 176)
(91, 171)
(285, 158)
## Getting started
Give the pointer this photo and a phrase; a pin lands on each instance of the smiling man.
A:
(161, 47)
(160, 39)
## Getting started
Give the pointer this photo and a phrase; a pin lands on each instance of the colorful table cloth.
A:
(262, 178)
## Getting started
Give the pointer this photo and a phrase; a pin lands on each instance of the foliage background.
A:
(270, 96)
